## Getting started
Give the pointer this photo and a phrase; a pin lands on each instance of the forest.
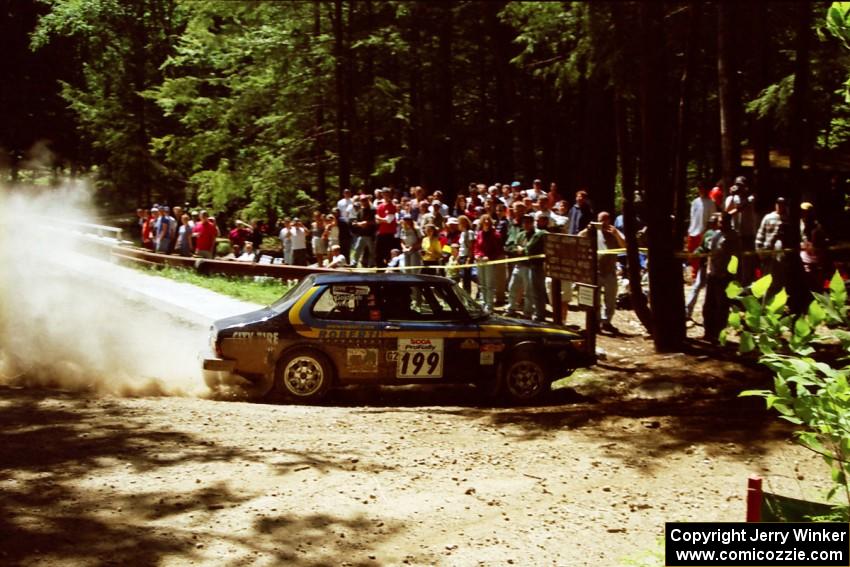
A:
(260, 109)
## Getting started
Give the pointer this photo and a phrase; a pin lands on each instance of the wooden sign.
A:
(570, 258)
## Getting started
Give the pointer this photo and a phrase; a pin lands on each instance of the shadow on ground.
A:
(59, 453)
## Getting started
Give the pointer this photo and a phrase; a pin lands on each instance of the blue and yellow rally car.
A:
(342, 329)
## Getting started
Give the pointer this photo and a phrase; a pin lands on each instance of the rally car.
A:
(334, 330)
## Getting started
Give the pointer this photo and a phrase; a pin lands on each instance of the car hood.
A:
(519, 325)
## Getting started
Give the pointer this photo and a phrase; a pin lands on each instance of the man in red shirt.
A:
(387, 225)
(206, 233)
(716, 195)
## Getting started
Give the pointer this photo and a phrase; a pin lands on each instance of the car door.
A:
(427, 334)
(347, 324)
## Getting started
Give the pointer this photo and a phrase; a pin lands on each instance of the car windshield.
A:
(294, 292)
(475, 310)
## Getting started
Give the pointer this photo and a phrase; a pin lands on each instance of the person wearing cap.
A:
(772, 235)
(740, 204)
(607, 238)
(452, 232)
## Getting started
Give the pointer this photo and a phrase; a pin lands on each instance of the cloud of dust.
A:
(62, 325)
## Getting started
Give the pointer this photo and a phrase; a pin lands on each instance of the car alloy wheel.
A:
(525, 380)
(303, 376)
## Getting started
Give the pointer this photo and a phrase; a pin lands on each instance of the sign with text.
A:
(569, 258)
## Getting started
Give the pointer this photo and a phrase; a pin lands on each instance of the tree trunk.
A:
(730, 150)
(761, 126)
(801, 141)
(683, 126)
(318, 145)
(665, 271)
(445, 102)
(369, 157)
(627, 175)
(341, 114)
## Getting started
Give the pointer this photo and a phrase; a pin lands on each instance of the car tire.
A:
(303, 375)
(524, 379)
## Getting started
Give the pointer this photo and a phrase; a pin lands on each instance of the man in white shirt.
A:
(298, 236)
(702, 207)
(344, 205)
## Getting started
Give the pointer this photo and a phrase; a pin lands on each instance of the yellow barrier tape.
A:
(608, 252)
(451, 267)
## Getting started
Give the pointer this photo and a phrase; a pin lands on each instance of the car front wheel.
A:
(303, 375)
(525, 380)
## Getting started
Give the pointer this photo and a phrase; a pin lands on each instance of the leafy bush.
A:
(808, 355)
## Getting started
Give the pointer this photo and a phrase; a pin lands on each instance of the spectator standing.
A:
(702, 208)
(432, 249)
(285, 237)
(148, 231)
(207, 232)
(772, 235)
(537, 278)
(298, 234)
(488, 247)
(740, 204)
(466, 244)
(607, 238)
(344, 205)
(700, 280)
(184, 237)
(580, 214)
(318, 240)
(723, 244)
(411, 244)
(163, 227)
(520, 233)
(716, 195)
(364, 227)
(387, 226)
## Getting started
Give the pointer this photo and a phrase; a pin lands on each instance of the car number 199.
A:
(420, 358)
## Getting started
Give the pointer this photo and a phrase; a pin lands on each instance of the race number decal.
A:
(420, 358)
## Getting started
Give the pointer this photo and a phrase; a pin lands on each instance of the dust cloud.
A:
(64, 324)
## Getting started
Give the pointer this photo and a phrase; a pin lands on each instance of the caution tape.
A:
(607, 252)
(452, 266)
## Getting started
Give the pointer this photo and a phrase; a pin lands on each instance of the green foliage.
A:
(838, 24)
(119, 47)
(810, 386)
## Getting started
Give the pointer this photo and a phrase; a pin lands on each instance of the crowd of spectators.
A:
(489, 235)
(724, 225)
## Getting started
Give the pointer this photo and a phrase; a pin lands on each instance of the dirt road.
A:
(391, 477)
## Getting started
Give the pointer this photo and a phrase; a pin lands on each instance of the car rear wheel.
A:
(304, 375)
(525, 379)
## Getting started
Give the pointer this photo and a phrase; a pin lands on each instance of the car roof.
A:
(350, 278)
